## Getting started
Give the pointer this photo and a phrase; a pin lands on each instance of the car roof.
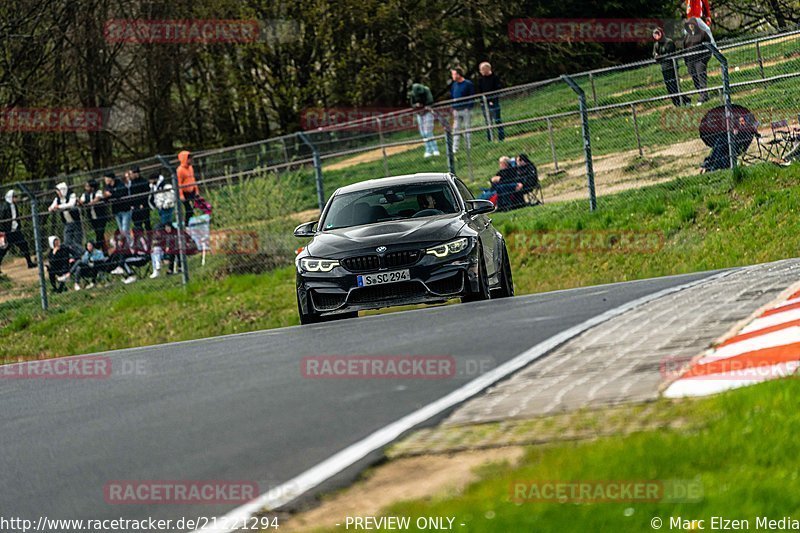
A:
(394, 180)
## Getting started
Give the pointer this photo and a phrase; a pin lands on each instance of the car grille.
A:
(367, 263)
(327, 301)
(401, 258)
(449, 285)
(390, 291)
(362, 263)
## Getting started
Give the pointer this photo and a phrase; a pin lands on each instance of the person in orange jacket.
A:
(187, 183)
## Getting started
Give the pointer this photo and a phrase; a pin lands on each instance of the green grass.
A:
(700, 223)
(744, 457)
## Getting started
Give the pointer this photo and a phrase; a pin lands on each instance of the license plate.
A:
(367, 280)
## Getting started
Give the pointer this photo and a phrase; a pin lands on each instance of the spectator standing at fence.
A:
(116, 193)
(95, 206)
(698, 57)
(139, 195)
(162, 198)
(187, 185)
(664, 52)
(11, 226)
(462, 109)
(700, 10)
(421, 99)
(66, 203)
(489, 82)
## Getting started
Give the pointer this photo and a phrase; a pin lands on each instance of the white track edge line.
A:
(345, 458)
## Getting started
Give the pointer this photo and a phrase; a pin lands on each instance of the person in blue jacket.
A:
(460, 90)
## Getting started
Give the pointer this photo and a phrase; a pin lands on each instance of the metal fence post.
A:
(487, 117)
(677, 77)
(181, 215)
(448, 141)
(760, 59)
(317, 168)
(37, 244)
(552, 144)
(726, 94)
(285, 152)
(383, 147)
(636, 129)
(594, 90)
(587, 138)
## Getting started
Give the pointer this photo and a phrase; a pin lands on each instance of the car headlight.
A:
(312, 264)
(448, 248)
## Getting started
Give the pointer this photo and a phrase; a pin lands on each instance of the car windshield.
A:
(397, 202)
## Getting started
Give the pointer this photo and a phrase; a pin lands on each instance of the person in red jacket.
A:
(187, 183)
(701, 10)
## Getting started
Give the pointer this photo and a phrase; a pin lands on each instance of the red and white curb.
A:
(768, 347)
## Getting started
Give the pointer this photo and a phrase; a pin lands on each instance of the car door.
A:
(483, 225)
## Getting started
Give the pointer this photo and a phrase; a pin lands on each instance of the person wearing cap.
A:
(66, 204)
(187, 184)
(421, 99)
(663, 52)
(140, 192)
(95, 205)
(12, 228)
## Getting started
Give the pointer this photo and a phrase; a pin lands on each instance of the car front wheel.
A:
(506, 288)
(483, 284)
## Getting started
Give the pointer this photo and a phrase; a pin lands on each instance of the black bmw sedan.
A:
(420, 238)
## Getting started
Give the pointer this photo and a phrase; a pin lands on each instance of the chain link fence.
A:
(590, 135)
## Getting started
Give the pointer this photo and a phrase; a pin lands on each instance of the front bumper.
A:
(432, 280)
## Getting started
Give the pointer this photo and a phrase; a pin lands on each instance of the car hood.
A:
(338, 242)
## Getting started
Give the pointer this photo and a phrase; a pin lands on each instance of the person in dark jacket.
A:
(698, 57)
(116, 193)
(140, 192)
(421, 99)
(664, 52)
(11, 226)
(59, 260)
(97, 210)
(489, 82)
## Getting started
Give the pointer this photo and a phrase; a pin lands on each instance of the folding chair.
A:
(780, 144)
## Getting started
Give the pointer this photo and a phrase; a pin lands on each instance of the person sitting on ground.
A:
(166, 249)
(59, 260)
(117, 263)
(87, 266)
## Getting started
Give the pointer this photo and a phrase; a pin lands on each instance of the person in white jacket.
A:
(66, 203)
(162, 198)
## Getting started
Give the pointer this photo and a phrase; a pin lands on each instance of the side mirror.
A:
(479, 207)
(305, 230)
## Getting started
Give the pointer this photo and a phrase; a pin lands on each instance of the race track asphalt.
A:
(238, 407)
